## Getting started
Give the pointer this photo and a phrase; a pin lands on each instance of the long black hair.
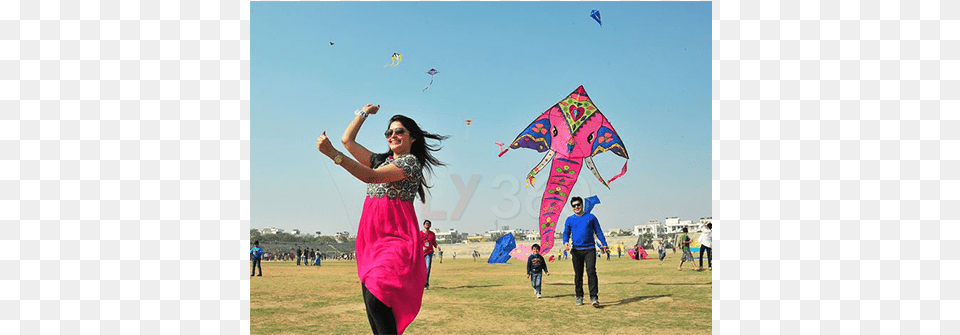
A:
(419, 148)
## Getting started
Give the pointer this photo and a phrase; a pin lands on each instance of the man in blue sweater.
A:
(582, 226)
(256, 254)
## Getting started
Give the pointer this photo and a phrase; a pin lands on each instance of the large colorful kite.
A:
(571, 132)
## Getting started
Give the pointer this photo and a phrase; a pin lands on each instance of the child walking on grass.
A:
(662, 249)
(536, 267)
(685, 246)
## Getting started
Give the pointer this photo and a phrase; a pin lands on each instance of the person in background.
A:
(256, 254)
(429, 240)
(299, 255)
(706, 244)
(662, 249)
(685, 247)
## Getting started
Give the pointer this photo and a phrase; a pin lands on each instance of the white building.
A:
(271, 230)
(614, 232)
(654, 227)
(451, 236)
(342, 237)
(489, 234)
(675, 226)
(529, 235)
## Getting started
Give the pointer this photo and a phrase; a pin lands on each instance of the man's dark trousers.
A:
(586, 257)
(256, 266)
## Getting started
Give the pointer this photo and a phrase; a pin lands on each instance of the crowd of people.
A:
(304, 256)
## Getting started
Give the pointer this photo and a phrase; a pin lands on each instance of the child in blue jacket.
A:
(536, 267)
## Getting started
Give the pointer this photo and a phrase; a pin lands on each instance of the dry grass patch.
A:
(468, 297)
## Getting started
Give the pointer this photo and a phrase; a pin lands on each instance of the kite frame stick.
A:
(588, 161)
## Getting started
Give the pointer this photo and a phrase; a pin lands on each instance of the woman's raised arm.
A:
(349, 138)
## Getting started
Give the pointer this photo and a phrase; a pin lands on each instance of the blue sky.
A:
(501, 64)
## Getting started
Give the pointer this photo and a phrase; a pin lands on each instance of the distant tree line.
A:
(287, 237)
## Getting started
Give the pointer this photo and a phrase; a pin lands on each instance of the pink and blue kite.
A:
(571, 132)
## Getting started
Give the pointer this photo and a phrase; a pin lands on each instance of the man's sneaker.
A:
(538, 295)
(579, 301)
(595, 302)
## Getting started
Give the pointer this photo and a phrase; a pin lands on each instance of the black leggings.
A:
(380, 316)
(709, 256)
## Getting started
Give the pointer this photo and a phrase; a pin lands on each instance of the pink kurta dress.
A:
(389, 256)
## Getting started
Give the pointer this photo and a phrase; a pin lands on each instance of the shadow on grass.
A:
(635, 299)
(459, 287)
(707, 283)
(616, 283)
(560, 296)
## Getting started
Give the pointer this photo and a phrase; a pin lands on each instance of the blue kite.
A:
(501, 251)
(595, 14)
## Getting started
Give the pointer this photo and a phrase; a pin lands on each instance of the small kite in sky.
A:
(331, 43)
(501, 150)
(595, 14)
(395, 59)
(431, 73)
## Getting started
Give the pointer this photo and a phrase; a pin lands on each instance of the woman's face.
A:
(399, 140)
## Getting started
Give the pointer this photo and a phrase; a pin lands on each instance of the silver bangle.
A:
(361, 113)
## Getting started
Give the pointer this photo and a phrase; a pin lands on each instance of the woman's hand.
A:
(370, 109)
(324, 145)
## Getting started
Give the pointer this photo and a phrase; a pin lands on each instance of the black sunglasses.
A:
(577, 205)
(390, 132)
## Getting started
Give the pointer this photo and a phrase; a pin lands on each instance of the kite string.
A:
(329, 174)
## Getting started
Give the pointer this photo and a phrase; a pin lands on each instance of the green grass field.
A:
(467, 297)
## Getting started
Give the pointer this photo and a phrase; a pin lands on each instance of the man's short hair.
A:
(427, 221)
(684, 229)
(535, 246)
(256, 242)
(710, 225)
(576, 199)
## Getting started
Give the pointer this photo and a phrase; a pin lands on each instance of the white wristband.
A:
(361, 113)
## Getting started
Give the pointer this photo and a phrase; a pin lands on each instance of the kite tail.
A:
(428, 85)
(563, 175)
(622, 172)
